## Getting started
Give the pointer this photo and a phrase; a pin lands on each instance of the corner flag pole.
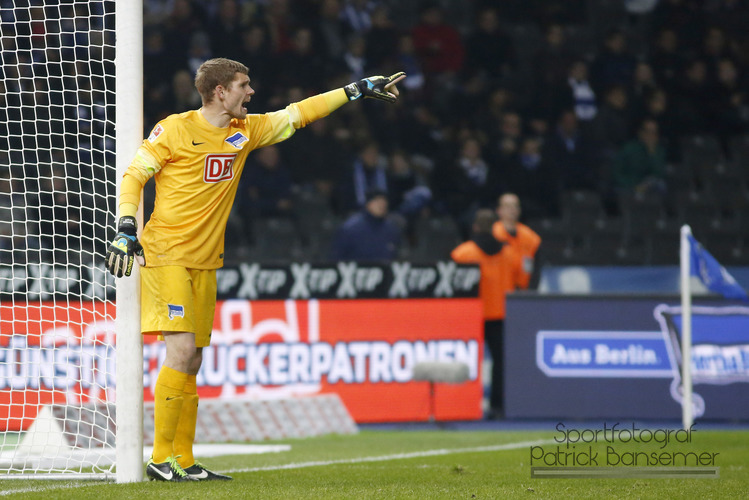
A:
(687, 416)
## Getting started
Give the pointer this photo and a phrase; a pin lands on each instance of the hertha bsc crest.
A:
(237, 140)
(176, 311)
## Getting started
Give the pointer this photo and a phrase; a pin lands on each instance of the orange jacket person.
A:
(500, 273)
(520, 237)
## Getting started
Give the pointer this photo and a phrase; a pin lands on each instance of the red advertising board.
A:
(54, 353)
(363, 350)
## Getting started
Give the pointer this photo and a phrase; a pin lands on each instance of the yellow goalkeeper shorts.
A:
(177, 299)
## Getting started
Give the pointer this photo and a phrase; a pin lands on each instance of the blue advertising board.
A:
(592, 357)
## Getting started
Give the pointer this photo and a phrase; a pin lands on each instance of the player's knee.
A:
(197, 360)
(181, 346)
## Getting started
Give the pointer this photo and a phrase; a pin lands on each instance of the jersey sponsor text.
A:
(219, 167)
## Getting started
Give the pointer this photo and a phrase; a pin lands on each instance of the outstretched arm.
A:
(280, 125)
(319, 106)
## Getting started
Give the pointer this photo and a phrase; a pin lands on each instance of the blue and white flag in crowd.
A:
(711, 273)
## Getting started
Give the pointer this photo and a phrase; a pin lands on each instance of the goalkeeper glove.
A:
(376, 87)
(124, 248)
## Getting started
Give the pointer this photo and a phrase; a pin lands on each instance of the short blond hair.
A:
(218, 71)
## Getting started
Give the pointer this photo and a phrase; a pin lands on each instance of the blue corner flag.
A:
(711, 273)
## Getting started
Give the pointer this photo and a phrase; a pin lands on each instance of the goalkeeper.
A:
(197, 158)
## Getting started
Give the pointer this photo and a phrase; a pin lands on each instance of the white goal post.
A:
(129, 133)
(71, 88)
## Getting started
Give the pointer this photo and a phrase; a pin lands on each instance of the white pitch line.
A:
(321, 463)
(397, 456)
(56, 487)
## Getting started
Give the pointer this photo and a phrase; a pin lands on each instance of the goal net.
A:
(57, 200)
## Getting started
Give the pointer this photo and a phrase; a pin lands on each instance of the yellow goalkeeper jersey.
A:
(196, 167)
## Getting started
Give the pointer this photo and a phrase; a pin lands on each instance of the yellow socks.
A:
(185, 435)
(168, 401)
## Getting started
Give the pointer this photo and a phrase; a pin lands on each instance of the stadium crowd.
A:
(557, 101)
(613, 119)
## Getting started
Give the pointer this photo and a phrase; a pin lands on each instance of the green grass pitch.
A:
(417, 465)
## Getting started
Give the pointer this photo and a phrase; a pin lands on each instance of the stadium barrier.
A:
(363, 348)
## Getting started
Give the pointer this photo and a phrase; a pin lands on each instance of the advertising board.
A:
(364, 350)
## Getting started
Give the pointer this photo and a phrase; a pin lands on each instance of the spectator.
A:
(714, 49)
(643, 80)
(279, 20)
(267, 185)
(183, 96)
(200, 51)
(462, 184)
(301, 59)
(684, 17)
(667, 59)
(225, 30)
(552, 60)
(354, 58)
(731, 16)
(730, 104)
(658, 107)
(570, 155)
(332, 30)
(256, 52)
(183, 21)
(368, 172)
(438, 44)
(692, 93)
(406, 58)
(60, 215)
(612, 125)
(495, 106)
(527, 174)
(577, 93)
(368, 235)
(500, 274)
(550, 64)
(641, 163)
(489, 51)
(317, 159)
(382, 40)
(522, 239)
(358, 14)
(614, 64)
(408, 192)
(158, 68)
(506, 141)
(422, 133)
